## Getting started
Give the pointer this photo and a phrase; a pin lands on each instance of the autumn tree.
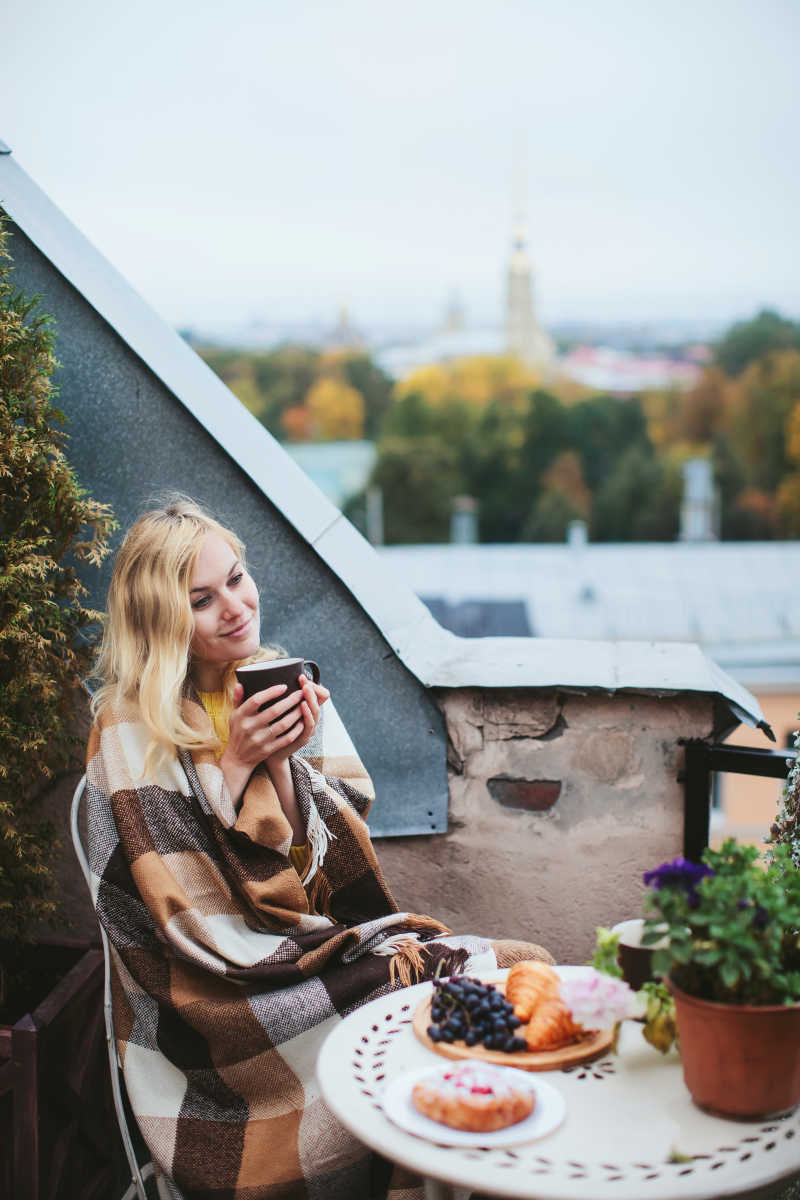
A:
(639, 502)
(376, 388)
(564, 497)
(747, 341)
(275, 386)
(475, 381)
(788, 498)
(766, 393)
(335, 410)
(703, 410)
(419, 479)
(600, 429)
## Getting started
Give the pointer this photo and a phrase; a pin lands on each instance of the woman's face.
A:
(224, 604)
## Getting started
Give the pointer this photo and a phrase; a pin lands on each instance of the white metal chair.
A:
(139, 1173)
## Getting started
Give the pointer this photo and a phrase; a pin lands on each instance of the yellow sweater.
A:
(218, 707)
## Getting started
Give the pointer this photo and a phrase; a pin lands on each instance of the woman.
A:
(235, 878)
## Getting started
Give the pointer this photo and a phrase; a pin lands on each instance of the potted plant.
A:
(732, 964)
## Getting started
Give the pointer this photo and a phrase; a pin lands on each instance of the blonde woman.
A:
(236, 880)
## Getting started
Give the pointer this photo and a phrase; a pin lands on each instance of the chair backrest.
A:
(139, 1173)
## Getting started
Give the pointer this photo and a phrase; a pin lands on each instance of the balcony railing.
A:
(701, 762)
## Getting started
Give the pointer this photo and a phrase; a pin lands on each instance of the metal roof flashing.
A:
(656, 668)
(436, 657)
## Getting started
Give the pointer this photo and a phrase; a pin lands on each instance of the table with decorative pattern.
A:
(631, 1130)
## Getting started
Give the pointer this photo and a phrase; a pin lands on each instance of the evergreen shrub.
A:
(48, 524)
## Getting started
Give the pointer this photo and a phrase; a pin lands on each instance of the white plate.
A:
(547, 1115)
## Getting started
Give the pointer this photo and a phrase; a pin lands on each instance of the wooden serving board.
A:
(591, 1045)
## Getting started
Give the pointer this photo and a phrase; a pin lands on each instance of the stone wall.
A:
(558, 803)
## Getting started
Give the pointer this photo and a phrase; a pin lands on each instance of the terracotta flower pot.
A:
(739, 1060)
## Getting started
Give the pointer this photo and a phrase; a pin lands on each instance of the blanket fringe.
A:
(407, 960)
(426, 925)
(319, 895)
(319, 837)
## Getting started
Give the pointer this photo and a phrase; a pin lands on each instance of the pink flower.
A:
(598, 1001)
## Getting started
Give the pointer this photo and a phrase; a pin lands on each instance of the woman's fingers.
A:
(292, 733)
(281, 724)
(269, 694)
(310, 699)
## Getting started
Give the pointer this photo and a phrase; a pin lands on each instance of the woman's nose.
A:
(231, 605)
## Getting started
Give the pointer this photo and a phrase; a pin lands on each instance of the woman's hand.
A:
(272, 735)
(254, 735)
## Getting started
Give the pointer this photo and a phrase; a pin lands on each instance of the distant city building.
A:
(401, 359)
(454, 320)
(344, 335)
(524, 335)
(623, 371)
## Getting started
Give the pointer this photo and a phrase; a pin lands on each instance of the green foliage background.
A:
(537, 458)
(47, 524)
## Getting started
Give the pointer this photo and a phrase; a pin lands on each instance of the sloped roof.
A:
(436, 657)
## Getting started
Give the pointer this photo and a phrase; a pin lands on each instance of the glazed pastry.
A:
(473, 1096)
(533, 989)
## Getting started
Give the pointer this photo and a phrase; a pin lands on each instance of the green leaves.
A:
(605, 952)
(660, 1027)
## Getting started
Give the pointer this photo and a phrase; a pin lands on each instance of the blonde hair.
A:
(144, 654)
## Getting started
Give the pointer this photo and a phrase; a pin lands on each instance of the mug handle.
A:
(307, 662)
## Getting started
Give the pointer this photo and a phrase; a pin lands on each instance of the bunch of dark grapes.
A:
(467, 1010)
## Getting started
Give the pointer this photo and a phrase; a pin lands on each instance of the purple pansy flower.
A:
(679, 873)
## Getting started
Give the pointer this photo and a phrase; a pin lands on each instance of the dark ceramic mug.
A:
(257, 677)
(635, 959)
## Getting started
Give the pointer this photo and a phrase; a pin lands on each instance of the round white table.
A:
(631, 1130)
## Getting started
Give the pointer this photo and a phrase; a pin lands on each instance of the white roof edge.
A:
(435, 656)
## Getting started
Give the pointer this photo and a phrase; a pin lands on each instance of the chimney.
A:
(375, 516)
(577, 534)
(464, 521)
(700, 506)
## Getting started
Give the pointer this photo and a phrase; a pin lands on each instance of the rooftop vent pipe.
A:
(464, 521)
(700, 506)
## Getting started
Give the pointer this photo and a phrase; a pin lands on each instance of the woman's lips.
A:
(239, 630)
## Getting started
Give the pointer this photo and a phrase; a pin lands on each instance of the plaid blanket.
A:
(228, 969)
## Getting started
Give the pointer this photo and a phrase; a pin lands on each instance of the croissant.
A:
(551, 1026)
(528, 984)
(533, 989)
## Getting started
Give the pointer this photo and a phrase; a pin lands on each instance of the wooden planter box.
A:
(58, 1132)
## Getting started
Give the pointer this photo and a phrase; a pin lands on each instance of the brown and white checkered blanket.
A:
(229, 970)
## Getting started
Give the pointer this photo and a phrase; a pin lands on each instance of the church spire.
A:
(524, 336)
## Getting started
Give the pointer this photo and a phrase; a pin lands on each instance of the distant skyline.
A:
(272, 161)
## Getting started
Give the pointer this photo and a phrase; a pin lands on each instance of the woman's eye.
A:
(202, 602)
(234, 579)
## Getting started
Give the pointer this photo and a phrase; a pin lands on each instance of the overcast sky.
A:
(270, 160)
